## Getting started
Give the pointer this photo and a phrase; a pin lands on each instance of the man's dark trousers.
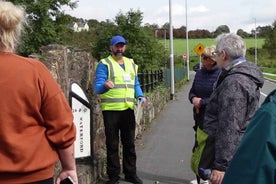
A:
(120, 124)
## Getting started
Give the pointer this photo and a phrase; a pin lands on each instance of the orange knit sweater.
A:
(35, 120)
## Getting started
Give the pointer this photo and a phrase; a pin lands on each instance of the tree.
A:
(46, 22)
(270, 41)
(242, 33)
(221, 29)
(200, 33)
(100, 48)
(142, 46)
(166, 26)
(262, 32)
(152, 26)
(183, 28)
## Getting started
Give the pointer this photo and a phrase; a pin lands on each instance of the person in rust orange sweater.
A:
(36, 122)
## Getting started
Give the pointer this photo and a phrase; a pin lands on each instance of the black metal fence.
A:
(150, 79)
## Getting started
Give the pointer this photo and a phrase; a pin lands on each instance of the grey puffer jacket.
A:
(231, 106)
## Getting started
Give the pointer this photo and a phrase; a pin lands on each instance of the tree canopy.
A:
(270, 41)
(142, 46)
(46, 22)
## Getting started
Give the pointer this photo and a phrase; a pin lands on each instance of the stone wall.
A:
(67, 64)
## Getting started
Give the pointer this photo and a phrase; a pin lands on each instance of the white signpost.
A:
(81, 109)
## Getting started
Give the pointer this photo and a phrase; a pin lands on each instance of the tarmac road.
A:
(164, 152)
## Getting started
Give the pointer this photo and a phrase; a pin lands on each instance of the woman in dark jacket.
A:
(203, 87)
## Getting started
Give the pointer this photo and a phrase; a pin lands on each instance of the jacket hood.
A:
(251, 70)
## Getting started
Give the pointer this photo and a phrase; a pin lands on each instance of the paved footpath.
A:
(164, 152)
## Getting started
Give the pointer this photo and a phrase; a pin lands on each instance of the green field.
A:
(269, 70)
(179, 45)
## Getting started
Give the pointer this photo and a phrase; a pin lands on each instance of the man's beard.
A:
(118, 54)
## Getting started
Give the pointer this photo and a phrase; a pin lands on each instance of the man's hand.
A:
(142, 100)
(109, 84)
(216, 177)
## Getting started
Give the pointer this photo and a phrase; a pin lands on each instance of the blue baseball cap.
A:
(117, 39)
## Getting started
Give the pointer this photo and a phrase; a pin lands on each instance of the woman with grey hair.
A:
(233, 101)
(36, 121)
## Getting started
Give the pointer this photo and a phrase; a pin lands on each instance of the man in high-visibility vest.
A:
(117, 82)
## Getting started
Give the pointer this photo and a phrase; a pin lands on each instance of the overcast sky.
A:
(201, 14)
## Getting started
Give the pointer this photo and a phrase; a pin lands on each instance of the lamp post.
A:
(165, 38)
(256, 58)
(171, 52)
(187, 44)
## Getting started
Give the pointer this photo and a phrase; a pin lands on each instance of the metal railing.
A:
(149, 80)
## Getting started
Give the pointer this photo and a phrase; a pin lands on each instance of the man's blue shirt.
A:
(102, 76)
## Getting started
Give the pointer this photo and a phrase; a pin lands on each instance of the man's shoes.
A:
(201, 181)
(114, 180)
(193, 181)
(133, 179)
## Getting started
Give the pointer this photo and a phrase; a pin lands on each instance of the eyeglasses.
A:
(216, 53)
(205, 57)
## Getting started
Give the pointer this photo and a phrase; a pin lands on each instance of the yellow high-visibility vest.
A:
(121, 97)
